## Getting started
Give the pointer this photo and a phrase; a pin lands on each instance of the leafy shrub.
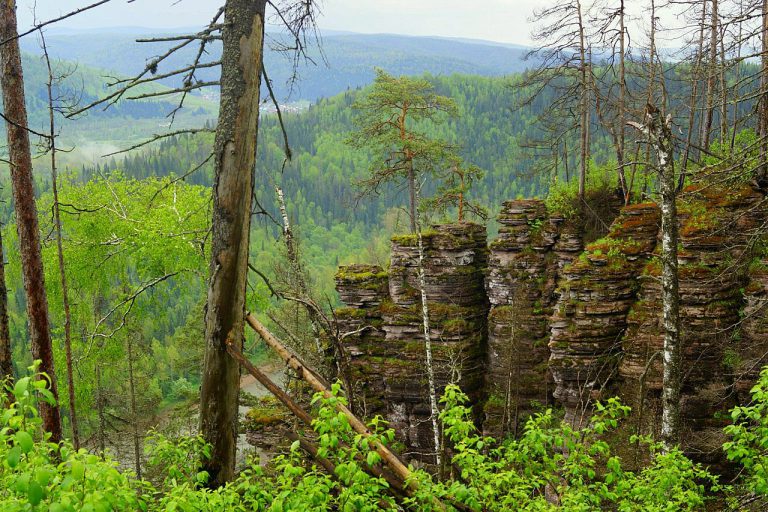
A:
(551, 467)
(36, 474)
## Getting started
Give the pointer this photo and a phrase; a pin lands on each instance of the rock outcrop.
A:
(713, 260)
(387, 359)
(523, 266)
(553, 321)
(366, 353)
(596, 292)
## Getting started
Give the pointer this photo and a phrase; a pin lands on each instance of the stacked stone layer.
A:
(366, 354)
(713, 227)
(522, 271)
(596, 292)
(553, 320)
(388, 360)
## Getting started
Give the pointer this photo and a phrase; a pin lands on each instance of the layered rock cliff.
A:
(535, 318)
(386, 353)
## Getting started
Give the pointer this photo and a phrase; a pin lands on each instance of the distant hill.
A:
(344, 60)
(100, 131)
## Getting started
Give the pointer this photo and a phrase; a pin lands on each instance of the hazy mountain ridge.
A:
(344, 61)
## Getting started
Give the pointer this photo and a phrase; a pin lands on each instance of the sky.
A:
(495, 20)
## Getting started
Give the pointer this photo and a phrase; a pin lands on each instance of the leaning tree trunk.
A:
(235, 152)
(658, 129)
(12, 84)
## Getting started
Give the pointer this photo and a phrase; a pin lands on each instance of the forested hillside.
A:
(100, 131)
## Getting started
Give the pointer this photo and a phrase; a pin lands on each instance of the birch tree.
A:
(657, 128)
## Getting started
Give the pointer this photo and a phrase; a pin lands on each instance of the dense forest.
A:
(254, 268)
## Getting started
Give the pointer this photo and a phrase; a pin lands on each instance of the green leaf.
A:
(78, 470)
(21, 387)
(13, 457)
(34, 493)
(25, 441)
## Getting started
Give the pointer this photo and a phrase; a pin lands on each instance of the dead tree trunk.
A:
(134, 412)
(762, 173)
(706, 127)
(692, 105)
(622, 105)
(584, 108)
(60, 252)
(12, 85)
(658, 130)
(235, 153)
(6, 356)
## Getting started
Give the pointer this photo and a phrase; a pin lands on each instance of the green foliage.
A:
(177, 459)
(575, 467)
(551, 467)
(132, 248)
(601, 181)
(38, 475)
(749, 438)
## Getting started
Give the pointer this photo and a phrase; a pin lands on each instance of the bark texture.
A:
(658, 129)
(235, 151)
(6, 359)
(12, 84)
(434, 412)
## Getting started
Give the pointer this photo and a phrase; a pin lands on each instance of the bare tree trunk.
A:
(6, 356)
(723, 90)
(584, 107)
(651, 88)
(434, 412)
(706, 127)
(102, 426)
(762, 173)
(658, 129)
(692, 105)
(60, 252)
(622, 106)
(134, 412)
(12, 85)
(235, 150)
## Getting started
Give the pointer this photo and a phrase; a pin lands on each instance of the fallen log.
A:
(393, 480)
(392, 461)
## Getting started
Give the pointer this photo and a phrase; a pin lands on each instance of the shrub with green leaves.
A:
(38, 475)
(550, 467)
(748, 445)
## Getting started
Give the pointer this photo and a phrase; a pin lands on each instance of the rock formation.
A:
(523, 265)
(595, 294)
(387, 358)
(550, 320)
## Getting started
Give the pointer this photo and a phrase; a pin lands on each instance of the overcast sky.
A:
(496, 20)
